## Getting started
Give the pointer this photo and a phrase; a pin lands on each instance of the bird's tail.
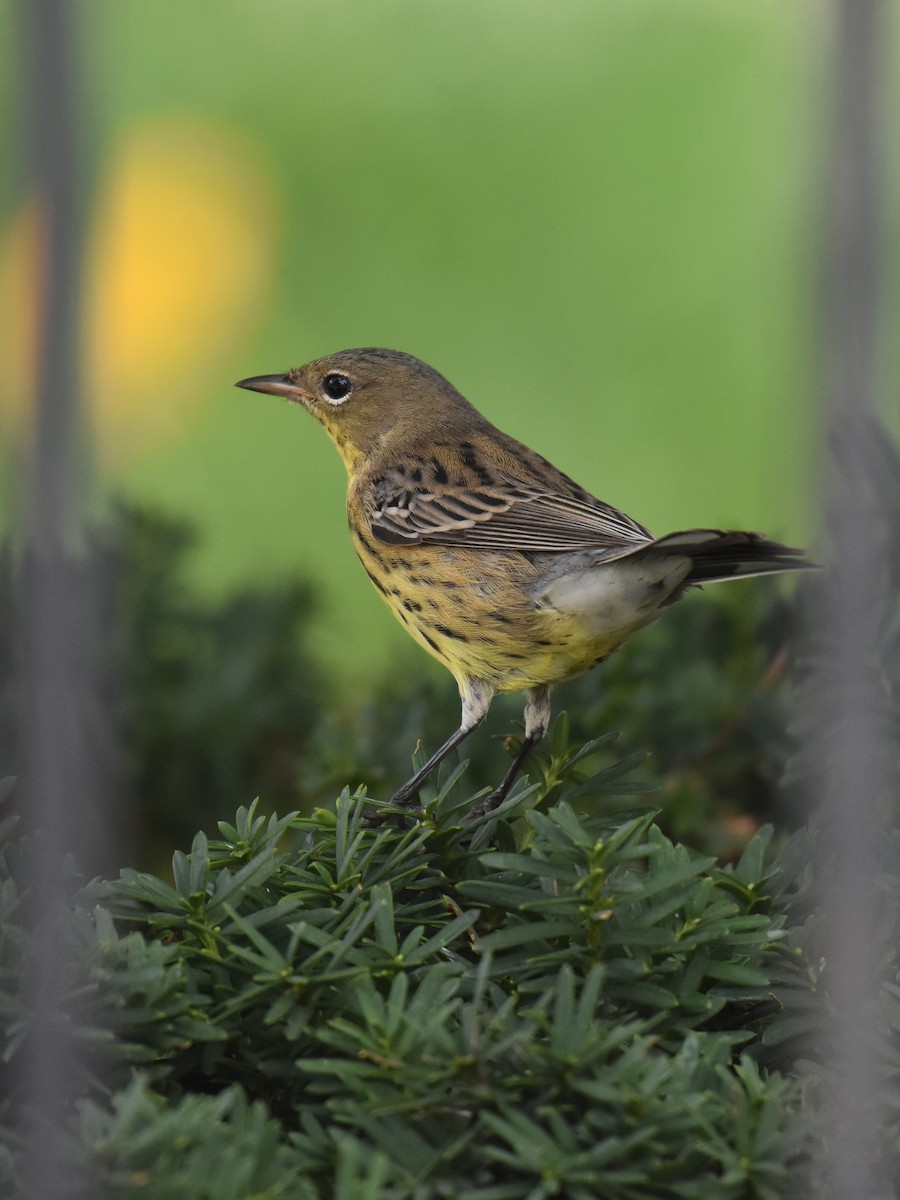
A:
(719, 554)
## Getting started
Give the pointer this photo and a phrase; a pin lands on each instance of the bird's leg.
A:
(537, 718)
(476, 696)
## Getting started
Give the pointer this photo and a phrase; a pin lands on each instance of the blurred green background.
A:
(598, 218)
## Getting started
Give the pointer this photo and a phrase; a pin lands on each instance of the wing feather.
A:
(501, 517)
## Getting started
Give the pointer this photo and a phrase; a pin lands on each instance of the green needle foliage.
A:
(539, 1003)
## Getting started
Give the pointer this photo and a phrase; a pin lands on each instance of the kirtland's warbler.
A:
(502, 567)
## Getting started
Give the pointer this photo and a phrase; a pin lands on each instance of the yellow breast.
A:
(488, 615)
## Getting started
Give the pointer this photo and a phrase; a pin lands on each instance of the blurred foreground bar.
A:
(853, 744)
(57, 625)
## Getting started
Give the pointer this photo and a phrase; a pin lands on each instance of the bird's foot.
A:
(398, 806)
(487, 805)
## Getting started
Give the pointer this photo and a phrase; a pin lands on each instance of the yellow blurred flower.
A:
(180, 255)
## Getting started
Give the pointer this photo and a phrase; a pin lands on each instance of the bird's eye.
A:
(336, 387)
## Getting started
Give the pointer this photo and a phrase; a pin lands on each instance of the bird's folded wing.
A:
(502, 517)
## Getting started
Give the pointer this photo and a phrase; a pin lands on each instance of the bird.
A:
(501, 566)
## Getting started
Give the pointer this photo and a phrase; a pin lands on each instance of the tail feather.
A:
(719, 554)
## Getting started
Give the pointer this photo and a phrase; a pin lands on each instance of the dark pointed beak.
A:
(275, 385)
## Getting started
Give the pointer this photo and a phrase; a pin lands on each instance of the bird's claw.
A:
(487, 805)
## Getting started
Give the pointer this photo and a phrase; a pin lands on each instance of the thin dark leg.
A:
(537, 718)
(499, 794)
(404, 794)
(476, 697)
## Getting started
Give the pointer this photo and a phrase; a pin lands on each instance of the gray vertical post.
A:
(852, 748)
(54, 616)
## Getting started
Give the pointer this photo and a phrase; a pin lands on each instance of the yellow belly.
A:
(488, 616)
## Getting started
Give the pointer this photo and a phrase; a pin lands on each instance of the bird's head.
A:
(365, 397)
